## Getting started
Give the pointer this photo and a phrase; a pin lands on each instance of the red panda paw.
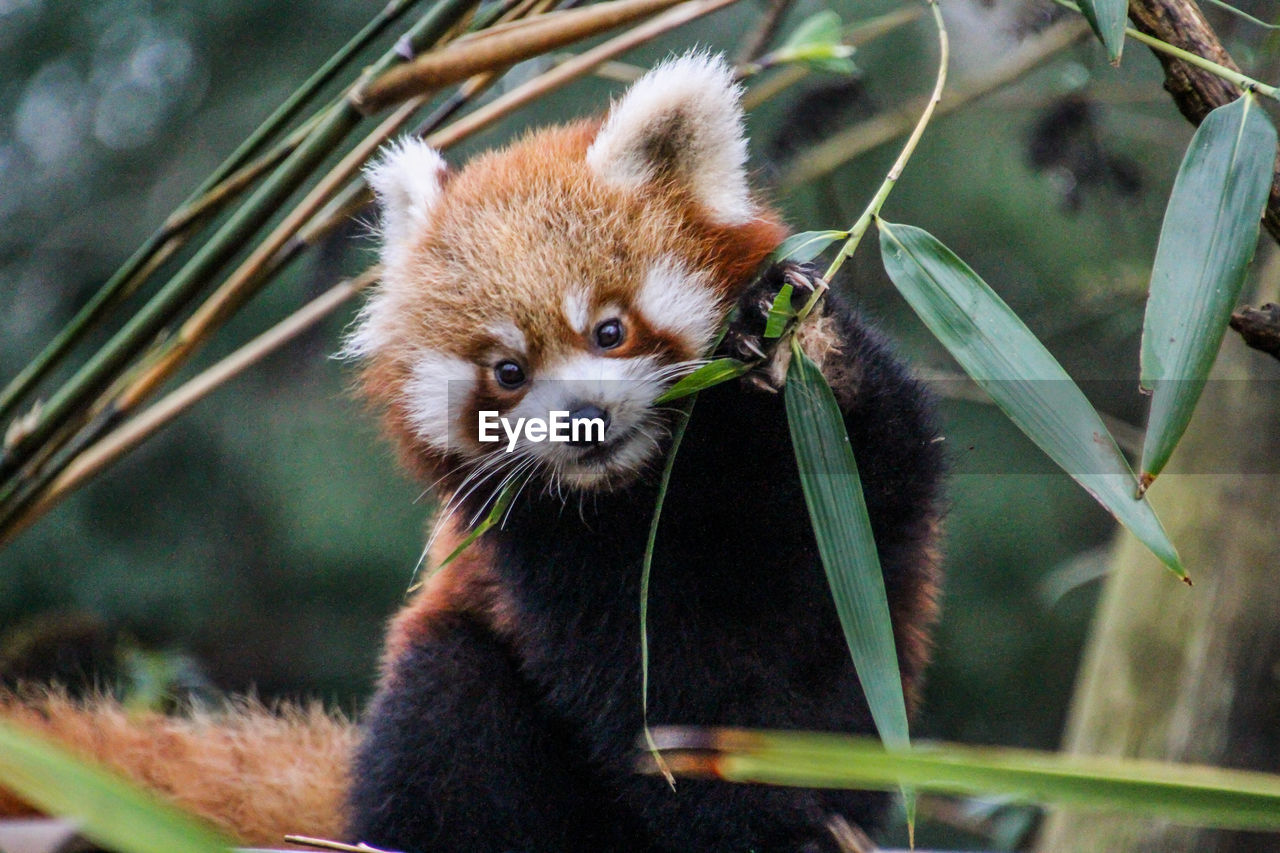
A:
(745, 339)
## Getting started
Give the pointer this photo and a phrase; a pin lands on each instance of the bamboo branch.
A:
(240, 286)
(100, 371)
(572, 69)
(107, 451)
(231, 177)
(486, 51)
(872, 210)
(1196, 91)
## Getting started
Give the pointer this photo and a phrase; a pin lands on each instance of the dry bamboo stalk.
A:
(571, 69)
(133, 432)
(241, 283)
(566, 72)
(536, 36)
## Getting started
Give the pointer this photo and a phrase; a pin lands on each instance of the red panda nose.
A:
(580, 427)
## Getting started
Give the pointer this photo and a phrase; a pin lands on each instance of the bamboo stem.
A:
(135, 271)
(98, 372)
(573, 68)
(895, 172)
(248, 278)
(107, 451)
(1243, 81)
(516, 43)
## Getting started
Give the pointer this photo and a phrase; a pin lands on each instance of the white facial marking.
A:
(623, 387)
(577, 309)
(438, 387)
(675, 300)
(510, 336)
(692, 104)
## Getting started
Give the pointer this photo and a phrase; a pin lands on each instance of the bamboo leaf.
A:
(806, 245)
(713, 373)
(106, 809)
(779, 313)
(1206, 796)
(1002, 355)
(838, 511)
(1206, 243)
(495, 516)
(646, 575)
(820, 28)
(1108, 19)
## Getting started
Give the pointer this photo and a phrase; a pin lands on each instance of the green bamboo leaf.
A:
(1002, 355)
(820, 28)
(713, 373)
(779, 313)
(1206, 243)
(838, 511)
(107, 810)
(818, 43)
(806, 245)
(1205, 796)
(833, 58)
(1108, 19)
(496, 512)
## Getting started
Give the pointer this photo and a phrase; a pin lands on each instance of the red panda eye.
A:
(509, 374)
(609, 334)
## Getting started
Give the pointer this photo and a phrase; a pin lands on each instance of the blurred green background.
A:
(260, 542)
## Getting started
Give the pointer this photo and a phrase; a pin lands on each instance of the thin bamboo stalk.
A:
(240, 286)
(483, 52)
(98, 373)
(248, 278)
(104, 453)
(135, 271)
(571, 69)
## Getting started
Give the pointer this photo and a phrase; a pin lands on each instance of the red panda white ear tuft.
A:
(681, 120)
(408, 180)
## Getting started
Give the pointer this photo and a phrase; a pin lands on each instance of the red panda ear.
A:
(682, 120)
(407, 179)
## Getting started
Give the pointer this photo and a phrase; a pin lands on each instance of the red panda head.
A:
(580, 270)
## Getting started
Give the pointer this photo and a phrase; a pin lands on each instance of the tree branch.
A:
(1260, 327)
(1196, 92)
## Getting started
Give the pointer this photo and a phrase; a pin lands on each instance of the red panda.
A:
(577, 273)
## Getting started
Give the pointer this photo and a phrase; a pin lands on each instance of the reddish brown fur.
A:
(466, 585)
(252, 772)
